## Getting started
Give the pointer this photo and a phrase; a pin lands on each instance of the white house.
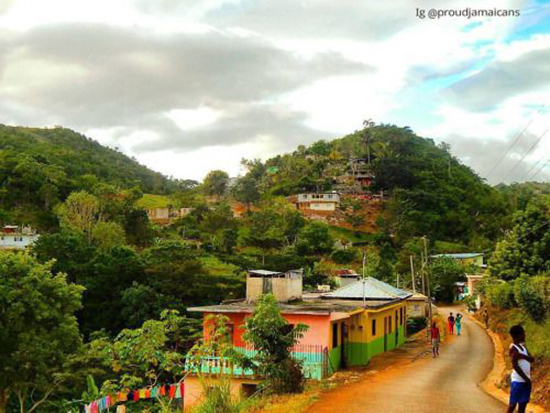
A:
(318, 202)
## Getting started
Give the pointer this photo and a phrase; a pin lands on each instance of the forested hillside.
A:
(429, 191)
(40, 167)
(120, 275)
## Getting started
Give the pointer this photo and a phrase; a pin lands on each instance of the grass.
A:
(154, 201)
(350, 235)
(217, 267)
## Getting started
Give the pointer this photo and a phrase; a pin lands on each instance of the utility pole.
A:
(397, 280)
(426, 275)
(422, 272)
(412, 273)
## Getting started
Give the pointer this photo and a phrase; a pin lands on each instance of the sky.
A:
(189, 86)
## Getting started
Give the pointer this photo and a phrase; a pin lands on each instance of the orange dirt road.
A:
(448, 384)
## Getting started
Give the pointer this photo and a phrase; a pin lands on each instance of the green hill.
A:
(40, 167)
(428, 190)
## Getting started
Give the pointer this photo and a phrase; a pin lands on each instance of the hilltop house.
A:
(15, 237)
(347, 327)
(318, 202)
(166, 214)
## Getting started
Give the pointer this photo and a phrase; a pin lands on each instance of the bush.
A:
(344, 256)
(501, 295)
(415, 324)
(530, 298)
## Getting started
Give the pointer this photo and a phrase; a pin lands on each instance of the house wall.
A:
(194, 389)
(17, 240)
(416, 308)
(322, 206)
(283, 288)
(361, 343)
(317, 334)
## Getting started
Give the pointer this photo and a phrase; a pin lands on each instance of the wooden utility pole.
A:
(422, 272)
(412, 274)
(426, 275)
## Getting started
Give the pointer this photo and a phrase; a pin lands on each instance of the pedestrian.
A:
(436, 338)
(451, 324)
(458, 323)
(486, 318)
(520, 388)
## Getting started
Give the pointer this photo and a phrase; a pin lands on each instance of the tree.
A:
(147, 355)
(246, 190)
(525, 250)
(264, 231)
(315, 239)
(80, 212)
(444, 273)
(215, 183)
(107, 235)
(273, 338)
(38, 329)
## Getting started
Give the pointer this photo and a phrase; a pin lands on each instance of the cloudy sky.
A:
(187, 86)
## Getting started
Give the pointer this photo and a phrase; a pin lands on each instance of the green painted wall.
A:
(335, 359)
(357, 354)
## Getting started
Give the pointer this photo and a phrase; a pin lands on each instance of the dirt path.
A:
(424, 385)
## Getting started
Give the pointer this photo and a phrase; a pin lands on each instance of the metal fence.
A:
(313, 358)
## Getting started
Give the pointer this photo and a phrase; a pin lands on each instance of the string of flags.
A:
(172, 391)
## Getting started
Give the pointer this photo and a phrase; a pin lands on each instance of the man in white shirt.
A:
(520, 389)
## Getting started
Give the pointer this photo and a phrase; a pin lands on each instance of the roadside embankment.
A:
(497, 382)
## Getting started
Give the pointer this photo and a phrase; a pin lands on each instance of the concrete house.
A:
(347, 327)
(325, 202)
(15, 237)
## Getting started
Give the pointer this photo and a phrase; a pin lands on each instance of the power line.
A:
(540, 170)
(524, 156)
(509, 148)
(534, 166)
(514, 143)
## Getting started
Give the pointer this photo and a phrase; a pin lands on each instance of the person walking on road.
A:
(520, 389)
(458, 323)
(486, 318)
(436, 338)
(451, 324)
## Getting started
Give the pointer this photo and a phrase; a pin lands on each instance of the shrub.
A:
(530, 298)
(501, 295)
(344, 256)
(415, 324)
(273, 338)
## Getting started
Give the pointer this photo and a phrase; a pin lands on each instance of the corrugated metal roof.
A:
(459, 255)
(373, 290)
(264, 272)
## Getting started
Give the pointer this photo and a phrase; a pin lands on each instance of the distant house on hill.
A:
(345, 276)
(468, 258)
(167, 214)
(318, 202)
(15, 237)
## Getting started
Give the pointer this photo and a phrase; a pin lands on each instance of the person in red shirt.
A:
(435, 340)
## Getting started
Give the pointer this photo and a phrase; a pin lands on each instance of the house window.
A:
(389, 322)
(334, 335)
(374, 327)
(401, 315)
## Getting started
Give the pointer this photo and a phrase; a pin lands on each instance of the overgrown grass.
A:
(350, 235)
(154, 201)
(217, 267)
